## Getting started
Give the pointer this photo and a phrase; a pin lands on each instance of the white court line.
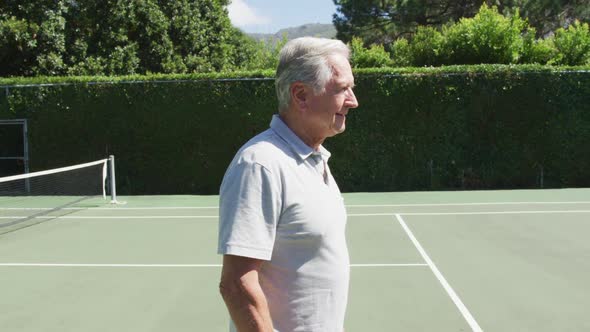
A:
(389, 265)
(114, 217)
(350, 206)
(350, 215)
(464, 311)
(158, 208)
(464, 213)
(172, 265)
(103, 265)
(490, 212)
(353, 205)
(370, 214)
(469, 204)
(115, 208)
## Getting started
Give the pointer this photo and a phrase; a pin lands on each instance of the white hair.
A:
(306, 60)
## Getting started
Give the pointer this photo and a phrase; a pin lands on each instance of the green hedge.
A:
(464, 127)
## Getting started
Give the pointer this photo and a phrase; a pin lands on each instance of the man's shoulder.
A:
(266, 149)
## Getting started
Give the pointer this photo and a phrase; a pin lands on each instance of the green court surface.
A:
(425, 261)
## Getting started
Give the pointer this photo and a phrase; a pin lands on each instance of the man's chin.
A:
(338, 130)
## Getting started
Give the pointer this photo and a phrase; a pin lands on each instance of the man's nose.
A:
(351, 101)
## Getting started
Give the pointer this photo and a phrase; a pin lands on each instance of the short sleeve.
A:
(249, 209)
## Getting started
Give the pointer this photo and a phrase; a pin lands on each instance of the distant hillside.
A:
(312, 30)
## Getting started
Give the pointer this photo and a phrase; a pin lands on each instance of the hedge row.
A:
(477, 127)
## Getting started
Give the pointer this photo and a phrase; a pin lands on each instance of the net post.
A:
(112, 182)
(26, 152)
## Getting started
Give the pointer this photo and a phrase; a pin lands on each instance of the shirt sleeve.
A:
(249, 209)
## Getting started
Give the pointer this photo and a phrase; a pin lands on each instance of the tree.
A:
(263, 54)
(383, 21)
(202, 33)
(32, 37)
(115, 37)
(118, 37)
(546, 16)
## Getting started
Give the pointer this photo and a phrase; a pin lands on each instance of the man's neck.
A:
(298, 127)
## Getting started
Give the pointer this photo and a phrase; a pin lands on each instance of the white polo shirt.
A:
(277, 204)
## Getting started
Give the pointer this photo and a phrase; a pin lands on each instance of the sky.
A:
(269, 16)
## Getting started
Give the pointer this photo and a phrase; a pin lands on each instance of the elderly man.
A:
(282, 217)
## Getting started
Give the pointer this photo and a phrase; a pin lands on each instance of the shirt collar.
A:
(297, 145)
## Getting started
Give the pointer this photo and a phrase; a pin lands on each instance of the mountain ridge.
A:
(309, 29)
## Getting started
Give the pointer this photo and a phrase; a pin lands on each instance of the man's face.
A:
(327, 111)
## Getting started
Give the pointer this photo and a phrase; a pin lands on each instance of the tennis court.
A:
(423, 261)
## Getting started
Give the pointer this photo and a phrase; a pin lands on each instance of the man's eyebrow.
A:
(345, 84)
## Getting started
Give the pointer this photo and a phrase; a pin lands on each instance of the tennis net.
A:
(32, 198)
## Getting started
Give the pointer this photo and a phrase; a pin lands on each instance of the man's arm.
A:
(243, 296)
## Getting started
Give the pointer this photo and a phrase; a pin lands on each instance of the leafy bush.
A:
(539, 51)
(50, 64)
(488, 37)
(426, 47)
(373, 57)
(572, 45)
(92, 65)
(401, 53)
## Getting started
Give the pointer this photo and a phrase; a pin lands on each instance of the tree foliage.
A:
(32, 37)
(263, 54)
(488, 37)
(114, 37)
(572, 45)
(546, 16)
(373, 57)
(383, 21)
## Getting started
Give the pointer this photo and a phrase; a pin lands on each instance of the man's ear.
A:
(299, 95)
